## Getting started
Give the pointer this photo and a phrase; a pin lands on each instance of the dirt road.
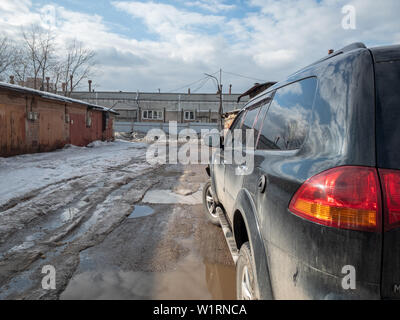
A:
(117, 228)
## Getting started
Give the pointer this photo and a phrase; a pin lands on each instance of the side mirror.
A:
(213, 140)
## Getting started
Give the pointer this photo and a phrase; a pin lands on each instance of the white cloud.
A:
(211, 5)
(165, 19)
(12, 6)
(269, 42)
(178, 30)
(14, 14)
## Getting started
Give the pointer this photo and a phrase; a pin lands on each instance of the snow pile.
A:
(98, 143)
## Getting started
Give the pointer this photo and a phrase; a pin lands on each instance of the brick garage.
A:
(34, 121)
(87, 125)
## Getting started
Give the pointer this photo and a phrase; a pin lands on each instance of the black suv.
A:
(318, 217)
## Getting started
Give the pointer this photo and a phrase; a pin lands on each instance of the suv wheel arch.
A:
(245, 224)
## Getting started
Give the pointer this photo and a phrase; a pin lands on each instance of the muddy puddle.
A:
(99, 212)
(30, 278)
(192, 279)
(141, 211)
(41, 230)
(62, 218)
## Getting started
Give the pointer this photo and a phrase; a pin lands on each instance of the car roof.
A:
(380, 54)
(387, 53)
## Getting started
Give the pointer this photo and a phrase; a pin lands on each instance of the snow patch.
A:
(169, 197)
(98, 143)
(22, 174)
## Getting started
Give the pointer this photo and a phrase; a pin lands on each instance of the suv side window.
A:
(260, 118)
(236, 124)
(287, 122)
(249, 120)
(252, 118)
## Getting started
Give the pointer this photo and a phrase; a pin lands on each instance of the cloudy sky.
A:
(170, 44)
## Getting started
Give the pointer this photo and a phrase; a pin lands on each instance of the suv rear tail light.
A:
(343, 197)
(391, 192)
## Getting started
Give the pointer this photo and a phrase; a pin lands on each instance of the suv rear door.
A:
(284, 130)
(236, 172)
(387, 73)
(219, 163)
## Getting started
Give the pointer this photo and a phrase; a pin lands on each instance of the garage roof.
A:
(51, 96)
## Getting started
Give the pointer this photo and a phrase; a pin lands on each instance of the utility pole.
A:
(137, 109)
(72, 87)
(219, 85)
(220, 100)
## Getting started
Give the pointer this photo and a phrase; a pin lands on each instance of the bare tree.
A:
(7, 57)
(40, 46)
(47, 61)
(37, 57)
(78, 65)
(21, 67)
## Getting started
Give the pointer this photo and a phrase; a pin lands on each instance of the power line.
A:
(202, 82)
(190, 84)
(186, 86)
(242, 76)
(201, 85)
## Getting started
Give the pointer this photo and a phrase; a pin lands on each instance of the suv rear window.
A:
(388, 114)
(287, 122)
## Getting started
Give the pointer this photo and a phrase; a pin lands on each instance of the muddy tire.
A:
(210, 206)
(246, 285)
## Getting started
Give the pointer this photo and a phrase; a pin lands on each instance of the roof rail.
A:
(350, 47)
(353, 46)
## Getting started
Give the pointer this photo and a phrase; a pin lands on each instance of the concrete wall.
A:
(130, 105)
(144, 127)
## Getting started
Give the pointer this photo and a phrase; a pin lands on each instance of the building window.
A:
(189, 115)
(152, 115)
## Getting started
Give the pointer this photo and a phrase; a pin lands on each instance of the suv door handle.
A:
(262, 184)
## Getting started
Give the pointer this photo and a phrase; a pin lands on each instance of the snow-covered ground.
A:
(23, 174)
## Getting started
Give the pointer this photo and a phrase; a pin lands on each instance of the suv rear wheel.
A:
(246, 286)
(209, 204)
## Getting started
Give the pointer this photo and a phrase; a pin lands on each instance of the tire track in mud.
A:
(32, 194)
(11, 203)
(26, 202)
(20, 264)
